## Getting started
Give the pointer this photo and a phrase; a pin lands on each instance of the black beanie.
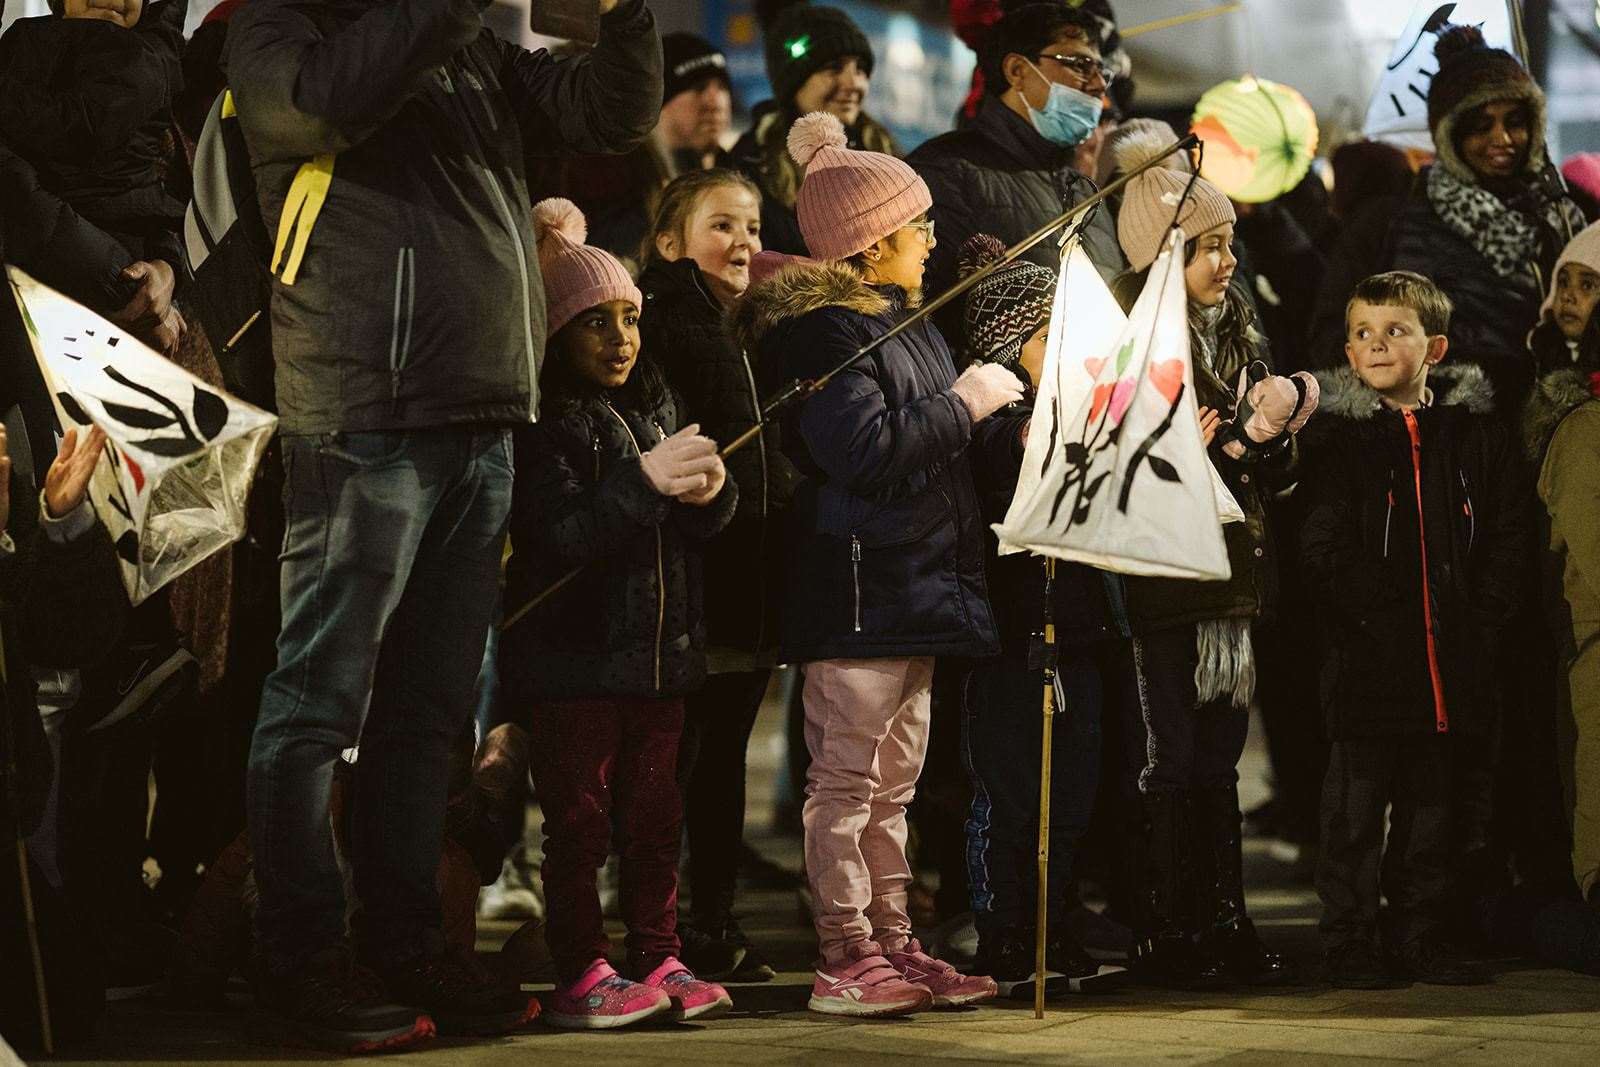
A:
(804, 39)
(1471, 74)
(688, 60)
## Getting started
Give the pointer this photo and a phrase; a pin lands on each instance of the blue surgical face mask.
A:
(1068, 116)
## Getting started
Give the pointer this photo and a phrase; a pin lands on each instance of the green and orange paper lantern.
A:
(1260, 138)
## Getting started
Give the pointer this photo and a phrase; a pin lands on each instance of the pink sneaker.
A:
(868, 988)
(691, 998)
(602, 1000)
(950, 988)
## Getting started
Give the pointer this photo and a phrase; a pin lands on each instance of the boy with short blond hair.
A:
(1418, 524)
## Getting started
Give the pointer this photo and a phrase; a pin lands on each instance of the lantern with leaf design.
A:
(1260, 138)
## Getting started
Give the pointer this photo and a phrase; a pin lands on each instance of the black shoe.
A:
(336, 1004)
(708, 954)
(754, 967)
(1081, 972)
(461, 999)
(1173, 961)
(1242, 957)
(1009, 957)
(1421, 960)
(1356, 966)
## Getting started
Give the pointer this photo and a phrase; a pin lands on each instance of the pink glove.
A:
(1272, 407)
(985, 388)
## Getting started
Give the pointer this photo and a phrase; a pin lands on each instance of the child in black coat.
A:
(1414, 542)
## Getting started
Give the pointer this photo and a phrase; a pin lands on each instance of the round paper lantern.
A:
(1260, 138)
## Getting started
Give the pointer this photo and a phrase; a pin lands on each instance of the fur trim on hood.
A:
(1555, 396)
(795, 291)
(1346, 396)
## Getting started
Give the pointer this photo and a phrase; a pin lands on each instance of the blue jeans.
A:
(391, 562)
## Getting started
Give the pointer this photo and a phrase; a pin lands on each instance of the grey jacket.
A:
(418, 301)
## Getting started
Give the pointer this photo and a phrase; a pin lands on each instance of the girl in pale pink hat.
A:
(887, 557)
(608, 485)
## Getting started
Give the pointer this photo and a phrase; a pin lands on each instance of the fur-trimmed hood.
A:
(799, 290)
(1555, 396)
(1346, 396)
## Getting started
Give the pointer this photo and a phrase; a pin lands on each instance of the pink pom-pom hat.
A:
(849, 200)
(576, 276)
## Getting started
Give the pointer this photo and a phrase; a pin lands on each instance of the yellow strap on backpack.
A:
(300, 209)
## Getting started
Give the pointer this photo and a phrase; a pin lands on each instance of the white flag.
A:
(1115, 474)
(1398, 112)
(172, 484)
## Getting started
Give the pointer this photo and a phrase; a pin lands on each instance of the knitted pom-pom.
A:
(812, 133)
(559, 215)
(979, 250)
(1457, 40)
(1135, 149)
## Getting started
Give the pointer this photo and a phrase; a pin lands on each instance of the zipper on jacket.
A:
(855, 577)
(761, 450)
(596, 444)
(1388, 516)
(661, 575)
(405, 291)
(1466, 507)
(1441, 718)
(510, 221)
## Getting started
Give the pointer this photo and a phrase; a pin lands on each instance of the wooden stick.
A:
(1047, 731)
(1179, 20)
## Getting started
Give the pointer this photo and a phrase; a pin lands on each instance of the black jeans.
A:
(1413, 775)
(1001, 748)
(1186, 745)
(711, 775)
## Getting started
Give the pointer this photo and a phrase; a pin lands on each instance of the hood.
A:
(796, 291)
(1554, 397)
(1346, 396)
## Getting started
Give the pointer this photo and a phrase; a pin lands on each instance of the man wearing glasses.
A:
(1011, 169)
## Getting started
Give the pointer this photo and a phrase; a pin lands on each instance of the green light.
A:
(798, 47)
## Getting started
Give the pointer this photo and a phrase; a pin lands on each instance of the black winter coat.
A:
(1362, 553)
(89, 104)
(419, 303)
(999, 176)
(683, 329)
(631, 622)
(887, 536)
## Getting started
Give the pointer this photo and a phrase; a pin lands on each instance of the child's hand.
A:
(715, 479)
(66, 483)
(1210, 423)
(682, 463)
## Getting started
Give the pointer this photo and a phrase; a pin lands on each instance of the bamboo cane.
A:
(797, 391)
(25, 884)
(1047, 733)
(1179, 20)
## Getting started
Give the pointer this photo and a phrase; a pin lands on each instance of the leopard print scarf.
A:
(1505, 236)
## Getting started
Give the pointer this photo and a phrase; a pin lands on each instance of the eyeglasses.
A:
(1084, 68)
(924, 227)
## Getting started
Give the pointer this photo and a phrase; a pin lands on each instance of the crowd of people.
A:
(516, 307)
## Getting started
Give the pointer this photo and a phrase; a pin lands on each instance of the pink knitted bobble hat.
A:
(849, 200)
(1150, 201)
(576, 276)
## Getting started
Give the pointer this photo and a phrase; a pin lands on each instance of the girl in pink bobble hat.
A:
(608, 486)
(887, 551)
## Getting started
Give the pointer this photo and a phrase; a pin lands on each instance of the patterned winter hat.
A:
(849, 200)
(576, 276)
(1471, 74)
(1005, 309)
(804, 39)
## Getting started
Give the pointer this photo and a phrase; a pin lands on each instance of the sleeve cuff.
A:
(71, 526)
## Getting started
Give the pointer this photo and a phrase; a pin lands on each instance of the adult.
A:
(1487, 220)
(817, 60)
(1011, 170)
(408, 333)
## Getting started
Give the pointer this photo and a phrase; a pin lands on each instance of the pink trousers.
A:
(867, 731)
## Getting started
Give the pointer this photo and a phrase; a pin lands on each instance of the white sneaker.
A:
(510, 897)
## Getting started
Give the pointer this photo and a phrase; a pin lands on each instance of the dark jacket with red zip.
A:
(1367, 557)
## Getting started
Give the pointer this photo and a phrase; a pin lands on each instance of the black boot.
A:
(1228, 938)
(1164, 951)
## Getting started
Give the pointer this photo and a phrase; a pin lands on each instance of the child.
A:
(610, 485)
(1006, 322)
(887, 568)
(1193, 654)
(86, 97)
(1562, 432)
(698, 256)
(1413, 548)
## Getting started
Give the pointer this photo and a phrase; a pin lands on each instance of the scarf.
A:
(1507, 237)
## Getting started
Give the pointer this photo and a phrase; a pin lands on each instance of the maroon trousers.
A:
(600, 764)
